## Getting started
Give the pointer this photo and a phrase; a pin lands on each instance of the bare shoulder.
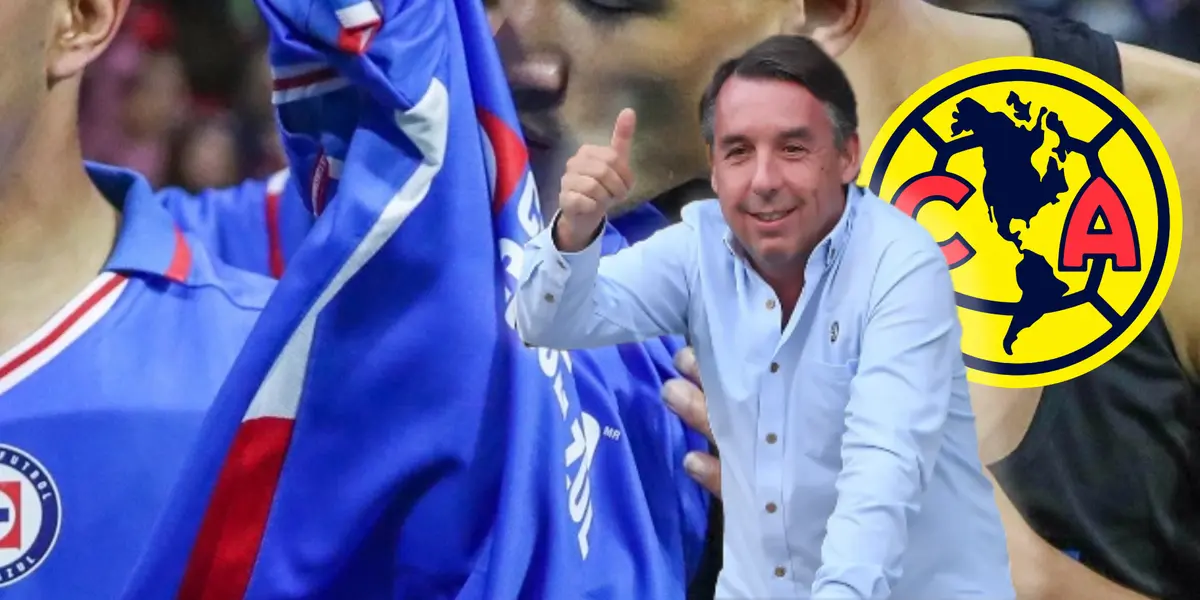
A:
(1002, 416)
(1166, 89)
(1152, 75)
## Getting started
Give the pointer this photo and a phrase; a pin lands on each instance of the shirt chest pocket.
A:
(824, 403)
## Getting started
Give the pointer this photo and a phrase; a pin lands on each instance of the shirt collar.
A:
(149, 242)
(833, 243)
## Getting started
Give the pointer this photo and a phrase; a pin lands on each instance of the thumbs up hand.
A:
(597, 178)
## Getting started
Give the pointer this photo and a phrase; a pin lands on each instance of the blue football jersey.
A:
(638, 520)
(383, 382)
(642, 520)
(626, 460)
(103, 403)
(248, 225)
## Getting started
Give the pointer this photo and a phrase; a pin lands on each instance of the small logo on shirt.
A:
(612, 433)
(833, 332)
(30, 514)
(1055, 205)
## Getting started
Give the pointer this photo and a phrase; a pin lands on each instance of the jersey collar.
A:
(150, 242)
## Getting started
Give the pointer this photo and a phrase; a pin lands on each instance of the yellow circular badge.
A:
(1055, 205)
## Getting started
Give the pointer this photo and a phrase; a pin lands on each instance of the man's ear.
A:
(832, 24)
(712, 173)
(851, 161)
(83, 29)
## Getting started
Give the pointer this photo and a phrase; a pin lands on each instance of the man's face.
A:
(156, 103)
(576, 63)
(778, 169)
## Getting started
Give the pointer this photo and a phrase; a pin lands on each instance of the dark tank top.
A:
(1109, 471)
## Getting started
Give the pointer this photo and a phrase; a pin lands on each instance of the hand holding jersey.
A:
(685, 397)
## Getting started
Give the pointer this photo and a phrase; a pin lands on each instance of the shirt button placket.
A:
(771, 477)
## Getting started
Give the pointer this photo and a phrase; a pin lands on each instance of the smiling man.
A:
(827, 330)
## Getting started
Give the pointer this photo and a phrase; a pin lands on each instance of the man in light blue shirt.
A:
(826, 330)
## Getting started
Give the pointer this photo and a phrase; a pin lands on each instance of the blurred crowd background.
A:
(184, 94)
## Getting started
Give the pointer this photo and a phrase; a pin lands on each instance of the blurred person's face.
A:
(209, 158)
(256, 89)
(575, 64)
(158, 98)
(273, 156)
(778, 169)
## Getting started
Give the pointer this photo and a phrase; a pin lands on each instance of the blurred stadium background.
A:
(183, 95)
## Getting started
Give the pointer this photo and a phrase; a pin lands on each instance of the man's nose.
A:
(538, 79)
(767, 178)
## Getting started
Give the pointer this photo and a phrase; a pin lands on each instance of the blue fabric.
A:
(631, 525)
(431, 484)
(636, 485)
(103, 405)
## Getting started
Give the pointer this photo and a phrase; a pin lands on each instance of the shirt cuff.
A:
(850, 582)
(587, 259)
(551, 268)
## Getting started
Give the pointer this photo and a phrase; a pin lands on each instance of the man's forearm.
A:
(1041, 571)
(866, 534)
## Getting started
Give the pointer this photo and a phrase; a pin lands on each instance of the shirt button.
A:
(780, 571)
(548, 297)
(772, 438)
(771, 508)
(774, 366)
(771, 304)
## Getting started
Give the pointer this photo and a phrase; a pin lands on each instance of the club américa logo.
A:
(1055, 205)
(30, 514)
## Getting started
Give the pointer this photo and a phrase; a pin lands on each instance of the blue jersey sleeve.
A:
(253, 226)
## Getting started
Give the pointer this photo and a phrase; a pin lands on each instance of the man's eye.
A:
(614, 9)
(616, 5)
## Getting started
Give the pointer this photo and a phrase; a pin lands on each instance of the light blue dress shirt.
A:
(850, 461)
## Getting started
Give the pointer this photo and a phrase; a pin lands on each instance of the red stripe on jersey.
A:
(274, 238)
(357, 39)
(181, 261)
(66, 324)
(304, 79)
(512, 158)
(230, 536)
